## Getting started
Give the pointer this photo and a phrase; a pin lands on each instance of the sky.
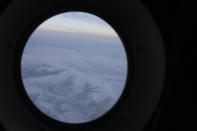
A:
(79, 22)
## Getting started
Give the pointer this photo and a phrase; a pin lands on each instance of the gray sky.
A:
(78, 22)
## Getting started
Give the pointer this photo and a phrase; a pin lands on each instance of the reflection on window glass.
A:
(74, 67)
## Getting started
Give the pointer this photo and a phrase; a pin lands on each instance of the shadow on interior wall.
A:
(2, 128)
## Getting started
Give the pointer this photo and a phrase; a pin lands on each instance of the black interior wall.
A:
(173, 111)
(4, 4)
(175, 104)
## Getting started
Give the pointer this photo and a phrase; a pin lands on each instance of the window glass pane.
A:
(74, 67)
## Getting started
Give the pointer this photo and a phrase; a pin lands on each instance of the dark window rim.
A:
(20, 44)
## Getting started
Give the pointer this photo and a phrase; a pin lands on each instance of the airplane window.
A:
(74, 67)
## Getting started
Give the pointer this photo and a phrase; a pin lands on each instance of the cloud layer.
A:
(73, 77)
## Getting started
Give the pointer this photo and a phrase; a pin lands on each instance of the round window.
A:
(74, 67)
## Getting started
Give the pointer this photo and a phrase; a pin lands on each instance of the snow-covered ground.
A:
(73, 77)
